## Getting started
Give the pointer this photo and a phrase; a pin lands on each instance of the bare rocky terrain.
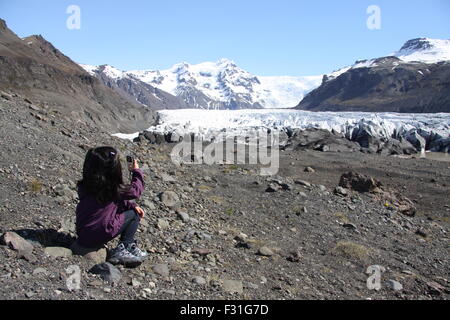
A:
(222, 231)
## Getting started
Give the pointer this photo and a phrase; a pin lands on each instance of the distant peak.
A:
(182, 66)
(225, 61)
(425, 50)
(417, 44)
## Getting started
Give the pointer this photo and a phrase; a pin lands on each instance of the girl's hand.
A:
(133, 165)
(140, 212)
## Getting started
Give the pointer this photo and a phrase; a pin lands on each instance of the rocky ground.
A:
(222, 231)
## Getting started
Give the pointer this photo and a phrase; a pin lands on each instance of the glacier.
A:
(209, 124)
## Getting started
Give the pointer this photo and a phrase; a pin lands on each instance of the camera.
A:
(130, 159)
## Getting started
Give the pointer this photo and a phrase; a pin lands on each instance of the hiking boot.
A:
(120, 255)
(134, 250)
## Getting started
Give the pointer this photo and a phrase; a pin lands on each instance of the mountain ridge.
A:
(414, 79)
(32, 67)
(221, 85)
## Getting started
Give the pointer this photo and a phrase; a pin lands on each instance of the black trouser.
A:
(129, 227)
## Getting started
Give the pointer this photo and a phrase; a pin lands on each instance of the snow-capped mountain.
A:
(220, 85)
(423, 50)
(223, 85)
(133, 89)
(414, 79)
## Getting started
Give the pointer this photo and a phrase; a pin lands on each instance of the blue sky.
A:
(277, 37)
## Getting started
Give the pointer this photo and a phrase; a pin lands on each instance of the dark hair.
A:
(102, 174)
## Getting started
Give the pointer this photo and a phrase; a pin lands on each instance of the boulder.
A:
(162, 224)
(320, 140)
(161, 269)
(96, 255)
(397, 147)
(170, 199)
(58, 252)
(107, 272)
(16, 242)
(149, 136)
(359, 182)
(233, 286)
(265, 251)
(341, 191)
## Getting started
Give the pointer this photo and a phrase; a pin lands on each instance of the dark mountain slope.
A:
(34, 68)
(389, 85)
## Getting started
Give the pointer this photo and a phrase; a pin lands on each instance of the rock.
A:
(199, 280)
(394, 285)
(435, 288)
(58, 252)
(170, 199)
(265, 251)
(359, 182)
(161, 269)
(233, 286)
(5, 95)
(68, 224)
(309, 169)
(250, 285)
(163, 224)
(148, 204)
(407, 208)
(349, 226)
(295, 256)
(421, 233)
(183, 216)
(168, 178)
(286, 186)
(135, 283)
(202, 251)
(303, 183)
(107, 272)
(28, 256)
(168, 291)
(241, 237)
(341, 191)
(397, 147)
(150, 137)
(39, 271)
(96, 255)
(16, 242)
(320, 140)
(273, 187)
(322, 188)
(64, 190)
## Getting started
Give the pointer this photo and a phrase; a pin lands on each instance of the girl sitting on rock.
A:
(104, 211)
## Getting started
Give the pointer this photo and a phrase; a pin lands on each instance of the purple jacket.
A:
(96, 223)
